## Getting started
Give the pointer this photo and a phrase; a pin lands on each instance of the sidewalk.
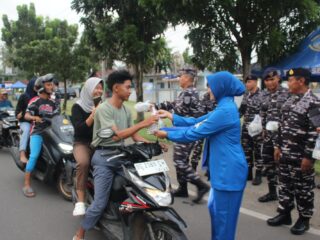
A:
(252, 193)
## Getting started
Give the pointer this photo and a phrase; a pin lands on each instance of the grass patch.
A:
(317, 167)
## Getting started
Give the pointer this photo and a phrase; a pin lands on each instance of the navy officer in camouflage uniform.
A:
(250, 106)
(273, 99)
(296, 141)
(187, 105)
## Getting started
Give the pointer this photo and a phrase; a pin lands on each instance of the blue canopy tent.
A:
(307, 56)
(18, 84)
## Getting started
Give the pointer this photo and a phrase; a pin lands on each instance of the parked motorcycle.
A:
(56, 161)
(138, 207)
(8, 124)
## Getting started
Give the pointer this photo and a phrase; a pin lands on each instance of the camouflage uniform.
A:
(297, 136)
(270, 111)
(250, 106)
(188, 105)
(207, 105)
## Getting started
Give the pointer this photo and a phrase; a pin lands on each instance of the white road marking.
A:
(254, 214)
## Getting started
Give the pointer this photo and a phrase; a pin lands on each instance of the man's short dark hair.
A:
(119, 76)
(191, 73)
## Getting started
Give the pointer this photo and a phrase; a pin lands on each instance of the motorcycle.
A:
(8, 125)
(138, 207)
(56, 161)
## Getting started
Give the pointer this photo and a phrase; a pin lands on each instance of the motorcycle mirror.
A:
(105, 133)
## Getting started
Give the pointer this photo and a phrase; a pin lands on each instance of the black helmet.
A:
(39, 84)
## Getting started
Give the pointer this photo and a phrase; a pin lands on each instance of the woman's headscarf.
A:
(86, 98)
(224, 84)
(30, 92)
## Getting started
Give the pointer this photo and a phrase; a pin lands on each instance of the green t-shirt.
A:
(107, 116)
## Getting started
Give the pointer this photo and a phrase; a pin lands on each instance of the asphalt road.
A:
(49, 217)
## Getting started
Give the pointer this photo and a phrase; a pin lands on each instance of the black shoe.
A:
(301, 226)
(250, 176)
(258, 178)
(181, 191)
(318, 186)
(264, 172)
(282, 218)
(202, 187)
(268, 197)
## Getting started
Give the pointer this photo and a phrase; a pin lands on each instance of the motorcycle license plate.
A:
(151, 167)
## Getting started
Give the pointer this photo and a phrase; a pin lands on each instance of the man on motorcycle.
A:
(110, 114)
(4, 102)
(39, 109)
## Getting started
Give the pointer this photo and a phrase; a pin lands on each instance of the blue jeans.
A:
(103, 177)
(35, 149)
(24, 136)
(224, 207)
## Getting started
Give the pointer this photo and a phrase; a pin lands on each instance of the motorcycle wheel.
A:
(64, 188)
(163, 231)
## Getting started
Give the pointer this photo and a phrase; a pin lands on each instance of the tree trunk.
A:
(139, 89)
(246, 64)
(245, 49)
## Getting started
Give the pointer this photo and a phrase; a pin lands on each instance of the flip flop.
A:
(28, 192)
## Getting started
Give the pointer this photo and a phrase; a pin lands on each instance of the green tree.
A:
(126, 30)
(40, 45)
(187, 58)
(270, 27)
(163, 57)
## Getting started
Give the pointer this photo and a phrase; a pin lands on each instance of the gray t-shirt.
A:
(107, 116)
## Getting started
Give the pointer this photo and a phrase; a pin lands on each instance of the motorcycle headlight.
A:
(163, 198)
(66, 148)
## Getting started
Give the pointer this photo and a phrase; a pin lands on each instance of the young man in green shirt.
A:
(110, 114)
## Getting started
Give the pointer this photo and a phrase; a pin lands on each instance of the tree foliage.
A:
(220, 29)
(128, 30)
(40, 45)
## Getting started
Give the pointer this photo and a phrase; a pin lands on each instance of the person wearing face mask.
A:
(83, 112)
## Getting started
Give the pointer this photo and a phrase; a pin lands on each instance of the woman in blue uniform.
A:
(223, 153)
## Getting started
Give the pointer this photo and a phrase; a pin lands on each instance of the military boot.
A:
(258, 178)
(250, 176)
(194, 166)
(282, 218)
(202, 189)
(301, 226)
(181, 191)
(271, 195)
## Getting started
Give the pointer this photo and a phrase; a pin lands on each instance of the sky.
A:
(61, 9)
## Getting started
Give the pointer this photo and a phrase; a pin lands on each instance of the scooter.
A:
(138, 207)
(56, 161)
(8, 124)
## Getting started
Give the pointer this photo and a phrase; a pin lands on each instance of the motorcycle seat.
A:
(118, 183)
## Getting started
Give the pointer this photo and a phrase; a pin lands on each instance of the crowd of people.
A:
(276, 140)
(282, 149)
